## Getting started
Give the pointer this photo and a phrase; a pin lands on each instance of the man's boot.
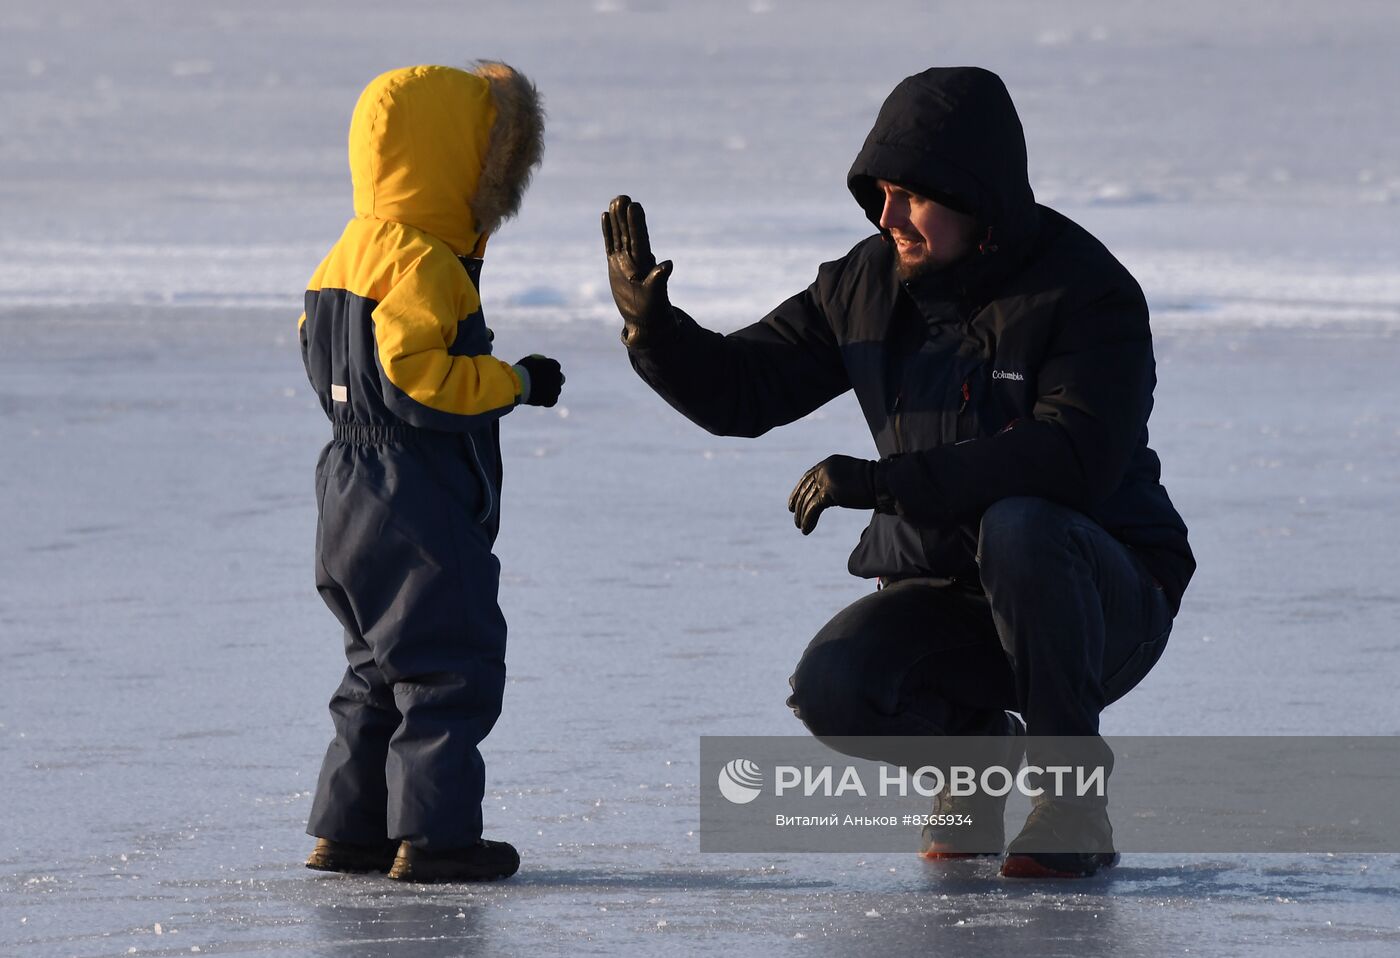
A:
(983, 817)
(333, 856)
(1061, 839)
(484, 861)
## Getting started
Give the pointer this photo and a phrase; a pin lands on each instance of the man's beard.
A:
(908, 269)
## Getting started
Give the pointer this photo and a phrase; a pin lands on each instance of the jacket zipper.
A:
(898, 401)
(962, 431)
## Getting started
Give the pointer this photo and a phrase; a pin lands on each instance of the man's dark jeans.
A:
(1067, 620)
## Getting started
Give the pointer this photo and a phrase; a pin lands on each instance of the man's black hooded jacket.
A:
(1024, 370)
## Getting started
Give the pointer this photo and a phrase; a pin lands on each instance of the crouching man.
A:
(1029, 560)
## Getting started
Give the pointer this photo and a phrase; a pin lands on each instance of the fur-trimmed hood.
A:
(447, 151)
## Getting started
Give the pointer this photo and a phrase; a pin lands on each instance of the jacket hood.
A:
(952, 134)
(446, 151)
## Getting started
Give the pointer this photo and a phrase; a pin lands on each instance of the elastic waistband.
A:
(364, 433)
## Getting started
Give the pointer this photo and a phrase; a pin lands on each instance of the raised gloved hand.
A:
(835, 481)
(638, 282)
(541, 378)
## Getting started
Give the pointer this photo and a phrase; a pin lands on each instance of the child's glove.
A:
(540, 379)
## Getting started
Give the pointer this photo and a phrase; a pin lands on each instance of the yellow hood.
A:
(418, 140)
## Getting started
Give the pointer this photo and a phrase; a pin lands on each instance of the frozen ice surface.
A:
(169, 175)
(169, 661)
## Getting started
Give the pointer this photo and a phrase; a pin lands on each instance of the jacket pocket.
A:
(483, 476)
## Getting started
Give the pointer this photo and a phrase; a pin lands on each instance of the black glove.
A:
(542, 380)
(836, 481)
(638, 283)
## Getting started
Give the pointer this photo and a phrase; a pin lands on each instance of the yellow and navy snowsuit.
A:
(408, 489)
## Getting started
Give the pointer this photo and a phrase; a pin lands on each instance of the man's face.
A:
(927, 235)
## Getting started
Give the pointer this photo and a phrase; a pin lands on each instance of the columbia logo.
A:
(1007, 374)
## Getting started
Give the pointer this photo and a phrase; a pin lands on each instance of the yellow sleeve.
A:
(415, 323)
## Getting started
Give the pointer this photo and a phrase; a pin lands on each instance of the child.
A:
(408, 489)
